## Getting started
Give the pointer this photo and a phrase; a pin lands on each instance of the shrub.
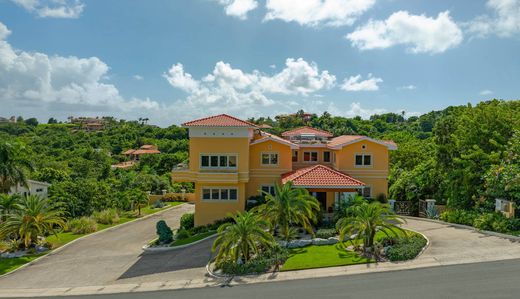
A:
(459, 217)
(274, 256)
(164, 232)
(493, 221)
(405, 248)
(188, 221)
(182, 233)
(83, 225)
(158, 204)
(326, 233)
(108, 216)
(172, 198)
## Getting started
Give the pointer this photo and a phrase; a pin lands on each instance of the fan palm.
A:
(289, 206)
(13, 162)
(366, 220)
(242, 239)
(8, 204)
(34, 218)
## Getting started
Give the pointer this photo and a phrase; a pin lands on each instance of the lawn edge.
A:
(53, 251)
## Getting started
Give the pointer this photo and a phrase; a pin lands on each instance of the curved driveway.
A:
(99, 259)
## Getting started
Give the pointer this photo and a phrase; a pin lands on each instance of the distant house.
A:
(89, 123)
(32, 188)
(11, 119)
(146, 149)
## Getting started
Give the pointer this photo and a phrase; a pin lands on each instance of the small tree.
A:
(164, 232)
(139, 200)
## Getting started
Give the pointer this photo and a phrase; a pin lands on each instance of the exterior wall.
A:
(375, 175)
(33, 188)
(202, 145)
(320, 150)
(207, 211)
(266, 174)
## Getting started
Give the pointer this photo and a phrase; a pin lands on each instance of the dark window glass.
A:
(314, 156)
(204, 161)
(359, 160)
(233, 194)
(206, 193)
(368, 160)
(223, 161)
(274, 159)
(214, 161)
(214, 193)
(326, 156)
(224, 194)
(232, 161)
(265, 189)
(306, 156)
(265, 159)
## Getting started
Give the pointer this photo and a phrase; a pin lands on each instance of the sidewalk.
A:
(448, 245)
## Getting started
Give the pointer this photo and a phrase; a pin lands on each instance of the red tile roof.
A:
(346, 139)
(306, 130)
(320, 176)
(267, 136)
(221, 120)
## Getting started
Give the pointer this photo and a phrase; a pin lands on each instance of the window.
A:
(326, 156)
(218, 161)
(269, 159)
(310, 156)
(363, 160)
(218, 193)
(366, 192)
(295, 156)
(268, 189)
(39, 190)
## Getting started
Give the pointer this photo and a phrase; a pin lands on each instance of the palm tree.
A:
(34, 218)
(366, 220)
(242, 239)
(8, 204)
(13, 162)
(289, 206)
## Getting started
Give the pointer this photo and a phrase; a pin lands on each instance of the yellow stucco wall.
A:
(207, 211)
(201, 145)
(302, 164)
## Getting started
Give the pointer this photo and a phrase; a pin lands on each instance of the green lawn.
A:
(193, 238)
(322, 256)
(8, 265)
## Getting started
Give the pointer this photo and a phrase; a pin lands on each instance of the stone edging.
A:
(485, 232)
(53, 251)
(147, 248)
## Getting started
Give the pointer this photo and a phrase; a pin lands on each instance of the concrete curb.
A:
(53, 251)
(147, 248)
(485, 232)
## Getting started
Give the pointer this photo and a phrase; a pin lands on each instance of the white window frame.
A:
(363, 165)
(362, 191)
(310, 156)
(219, 199)
(218, 155)
(270, 186)
(270, 158)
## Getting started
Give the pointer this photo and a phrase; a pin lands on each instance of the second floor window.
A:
(326, 156)
(218, 161)
(269, 159)
(310, 156)
(267, 189)
(363, 160)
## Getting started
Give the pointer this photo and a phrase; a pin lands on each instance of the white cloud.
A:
(238, 8)
(407, 87)
(138, 77)
(227, 89)
(485, 92)
(421, 34)
(504, 20)
(69, 9)
(354, 110)
(317, 12)
(354, 83)
(38, 81)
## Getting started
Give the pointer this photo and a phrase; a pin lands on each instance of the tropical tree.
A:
(366, 220)
(287, 207)
(8, 204)
(34, 218)
(13, 162)
(247, 236)
(139, 200)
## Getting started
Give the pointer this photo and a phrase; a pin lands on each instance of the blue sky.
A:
(172, 61)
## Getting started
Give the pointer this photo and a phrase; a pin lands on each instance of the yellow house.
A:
(232, 160)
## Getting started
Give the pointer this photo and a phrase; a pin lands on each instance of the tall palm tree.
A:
(289, 206)
(366, 220)
(34, 218)
(8, 204)
(242, 239)
(13, 162)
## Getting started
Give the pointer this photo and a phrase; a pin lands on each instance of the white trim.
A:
(268, 186)
(211, 188)
(371, 165)
(269, 138)
(218, 167)
(340, 146)
(310, 161)
(269, 164)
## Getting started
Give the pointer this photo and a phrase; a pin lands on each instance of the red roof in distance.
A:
(320, 176)
(221, 120)
(306, 131)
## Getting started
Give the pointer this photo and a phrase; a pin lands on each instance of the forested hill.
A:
(465, 155)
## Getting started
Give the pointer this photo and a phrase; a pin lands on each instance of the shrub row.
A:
(325, 233)
(275, 256)
(487, 221)
(401, 249)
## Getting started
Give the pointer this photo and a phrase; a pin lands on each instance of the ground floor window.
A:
(366, 192)
(219, 193)
(267, 189)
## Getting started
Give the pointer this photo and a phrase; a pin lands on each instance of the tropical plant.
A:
(188, 220)
(13, 163)
(288, 207)
(108, 216)
(164, 232)
(8, 204)
(83, 225)
(139, 200)
(35, 218)
(368, 219)
(242, 239)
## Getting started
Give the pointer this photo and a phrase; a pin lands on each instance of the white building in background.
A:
(32, 188)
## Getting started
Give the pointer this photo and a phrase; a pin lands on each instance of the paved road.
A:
(100, 259)
(480, 280)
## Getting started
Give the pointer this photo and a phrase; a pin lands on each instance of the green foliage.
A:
(401, 249)
(326, 233)
(108, 216)
(188, 221)
(459, 217)
(83, 225)
(182, 234)
(158, 204)
(494, 222)
(272, 257)
(164, 232)
(14, 161)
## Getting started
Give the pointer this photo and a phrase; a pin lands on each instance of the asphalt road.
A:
(480, 280)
